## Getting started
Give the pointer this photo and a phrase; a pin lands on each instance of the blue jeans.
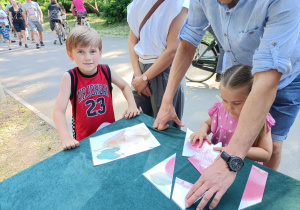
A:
(285, 109)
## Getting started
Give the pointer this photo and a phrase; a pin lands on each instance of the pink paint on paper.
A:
(171, 165)
(255, 187)
(204, 158)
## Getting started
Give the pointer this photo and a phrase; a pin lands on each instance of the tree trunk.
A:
(95, 10)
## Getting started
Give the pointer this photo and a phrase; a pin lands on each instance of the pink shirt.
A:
(79, 5)
(223, 126)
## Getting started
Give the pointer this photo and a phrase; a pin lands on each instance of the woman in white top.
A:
(152, 51)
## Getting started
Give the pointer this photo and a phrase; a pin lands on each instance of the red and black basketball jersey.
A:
(91, 101)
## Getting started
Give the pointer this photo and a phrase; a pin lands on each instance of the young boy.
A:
(5, 34)
(88, 87)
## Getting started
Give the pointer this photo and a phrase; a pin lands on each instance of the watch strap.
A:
(225, 156)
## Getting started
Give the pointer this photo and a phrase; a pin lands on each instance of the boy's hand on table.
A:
(69, 144)
(131, 112)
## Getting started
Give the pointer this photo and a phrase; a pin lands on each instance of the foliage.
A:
(115, 10)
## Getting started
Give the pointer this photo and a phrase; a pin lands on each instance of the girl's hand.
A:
(219, 149)
(199, 135)
(69, 144)
(131, 112)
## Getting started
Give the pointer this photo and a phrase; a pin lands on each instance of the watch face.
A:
(235, 163)
(145, 77)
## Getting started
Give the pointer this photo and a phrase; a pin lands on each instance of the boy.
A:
(5, 34)
(88, 87)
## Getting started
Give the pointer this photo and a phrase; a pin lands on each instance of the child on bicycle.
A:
(235, 86)
(88, 87)
(81, 11)
(54, 11)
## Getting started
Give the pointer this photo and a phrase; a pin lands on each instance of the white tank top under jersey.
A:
(155, 30)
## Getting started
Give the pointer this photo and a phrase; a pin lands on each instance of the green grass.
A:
(117, 29)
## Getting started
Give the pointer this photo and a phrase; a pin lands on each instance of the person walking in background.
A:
(81, 11)
(54, 15)
(4, 19)
(18, 21)
(5, 35)
(33, 12)
(152, 47)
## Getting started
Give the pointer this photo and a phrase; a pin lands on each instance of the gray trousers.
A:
(150, 105)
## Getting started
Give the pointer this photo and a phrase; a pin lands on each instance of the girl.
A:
(235, 86)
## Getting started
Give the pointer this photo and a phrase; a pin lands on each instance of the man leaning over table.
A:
(261, 34)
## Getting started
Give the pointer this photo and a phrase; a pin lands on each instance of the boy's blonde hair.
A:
(82, 36)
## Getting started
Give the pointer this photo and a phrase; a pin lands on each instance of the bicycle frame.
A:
(208, 63)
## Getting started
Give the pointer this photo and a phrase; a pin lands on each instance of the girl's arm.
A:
(24, 17)
(166, 58)
(134, 58)
(72, 6)
(59, 113)
(132, 110)
(263, 151)
(202, 133)
(10, 18)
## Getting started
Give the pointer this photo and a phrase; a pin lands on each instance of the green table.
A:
(68, 179)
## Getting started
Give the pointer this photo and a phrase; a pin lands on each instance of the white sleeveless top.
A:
(155, 31)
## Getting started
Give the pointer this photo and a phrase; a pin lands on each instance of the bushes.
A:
(115, 10)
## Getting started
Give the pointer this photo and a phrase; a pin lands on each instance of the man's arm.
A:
(217, 178)
(41, 15)
(182, 61)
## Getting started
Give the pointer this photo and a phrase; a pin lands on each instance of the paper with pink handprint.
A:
(181, 189)
(255, 187)
(190, 150)
(205, 156)
(161, 175)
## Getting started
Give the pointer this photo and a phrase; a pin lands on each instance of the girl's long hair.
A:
(237, 77)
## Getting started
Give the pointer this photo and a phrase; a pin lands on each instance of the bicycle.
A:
(59, 33)
(66, 27)
(84, 22)
(206, 59)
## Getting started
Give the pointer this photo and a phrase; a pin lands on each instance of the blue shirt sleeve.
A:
(279, 38)
(194, 26)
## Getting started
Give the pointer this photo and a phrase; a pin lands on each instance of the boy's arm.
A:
(132, 110)
(263, 151)
(59, 112)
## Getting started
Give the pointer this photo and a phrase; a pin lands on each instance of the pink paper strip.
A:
(255, 187)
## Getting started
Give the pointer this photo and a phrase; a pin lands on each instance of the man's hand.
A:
(41, 21)
(165, 114)
(216, 179)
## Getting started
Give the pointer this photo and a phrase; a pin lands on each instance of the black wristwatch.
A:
(234, 163)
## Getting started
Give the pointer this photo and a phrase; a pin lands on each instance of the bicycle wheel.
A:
(59, 34)
(195, 74)
(67, 28)
(86, 23)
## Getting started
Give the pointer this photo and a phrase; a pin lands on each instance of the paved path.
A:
(33, 76)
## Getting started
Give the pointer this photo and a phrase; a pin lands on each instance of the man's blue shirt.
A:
(263, 34)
